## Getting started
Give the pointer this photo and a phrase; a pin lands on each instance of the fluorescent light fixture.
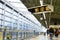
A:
(41, 18)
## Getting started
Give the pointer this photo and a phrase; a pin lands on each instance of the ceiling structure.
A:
(21, 8)
(51, 18)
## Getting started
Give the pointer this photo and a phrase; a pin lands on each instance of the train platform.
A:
(42, 37)
(29, 19)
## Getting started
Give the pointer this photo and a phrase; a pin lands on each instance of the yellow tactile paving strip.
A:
(1, 36)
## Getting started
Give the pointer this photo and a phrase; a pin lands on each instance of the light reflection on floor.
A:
(42, 37)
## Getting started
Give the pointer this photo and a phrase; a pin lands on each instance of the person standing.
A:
(51, 32)
(56, 33)
(59, 30)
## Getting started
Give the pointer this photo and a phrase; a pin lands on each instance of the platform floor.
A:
(42, 37)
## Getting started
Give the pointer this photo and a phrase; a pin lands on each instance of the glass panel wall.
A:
(14, 23)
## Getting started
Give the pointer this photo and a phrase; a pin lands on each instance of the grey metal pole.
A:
(4, 34)
(16, 35)
(51, 2)
(50, 14)
(49, 18)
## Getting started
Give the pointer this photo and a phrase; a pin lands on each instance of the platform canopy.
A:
(20, 7)
(53, 18)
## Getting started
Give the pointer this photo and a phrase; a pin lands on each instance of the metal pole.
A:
(16, 35)
(49, 18)
(51, 2)
(41, 2)
(50, 14)
(45, 20)
(4, 34)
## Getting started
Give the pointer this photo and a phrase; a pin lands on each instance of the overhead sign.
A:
(41, 9)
